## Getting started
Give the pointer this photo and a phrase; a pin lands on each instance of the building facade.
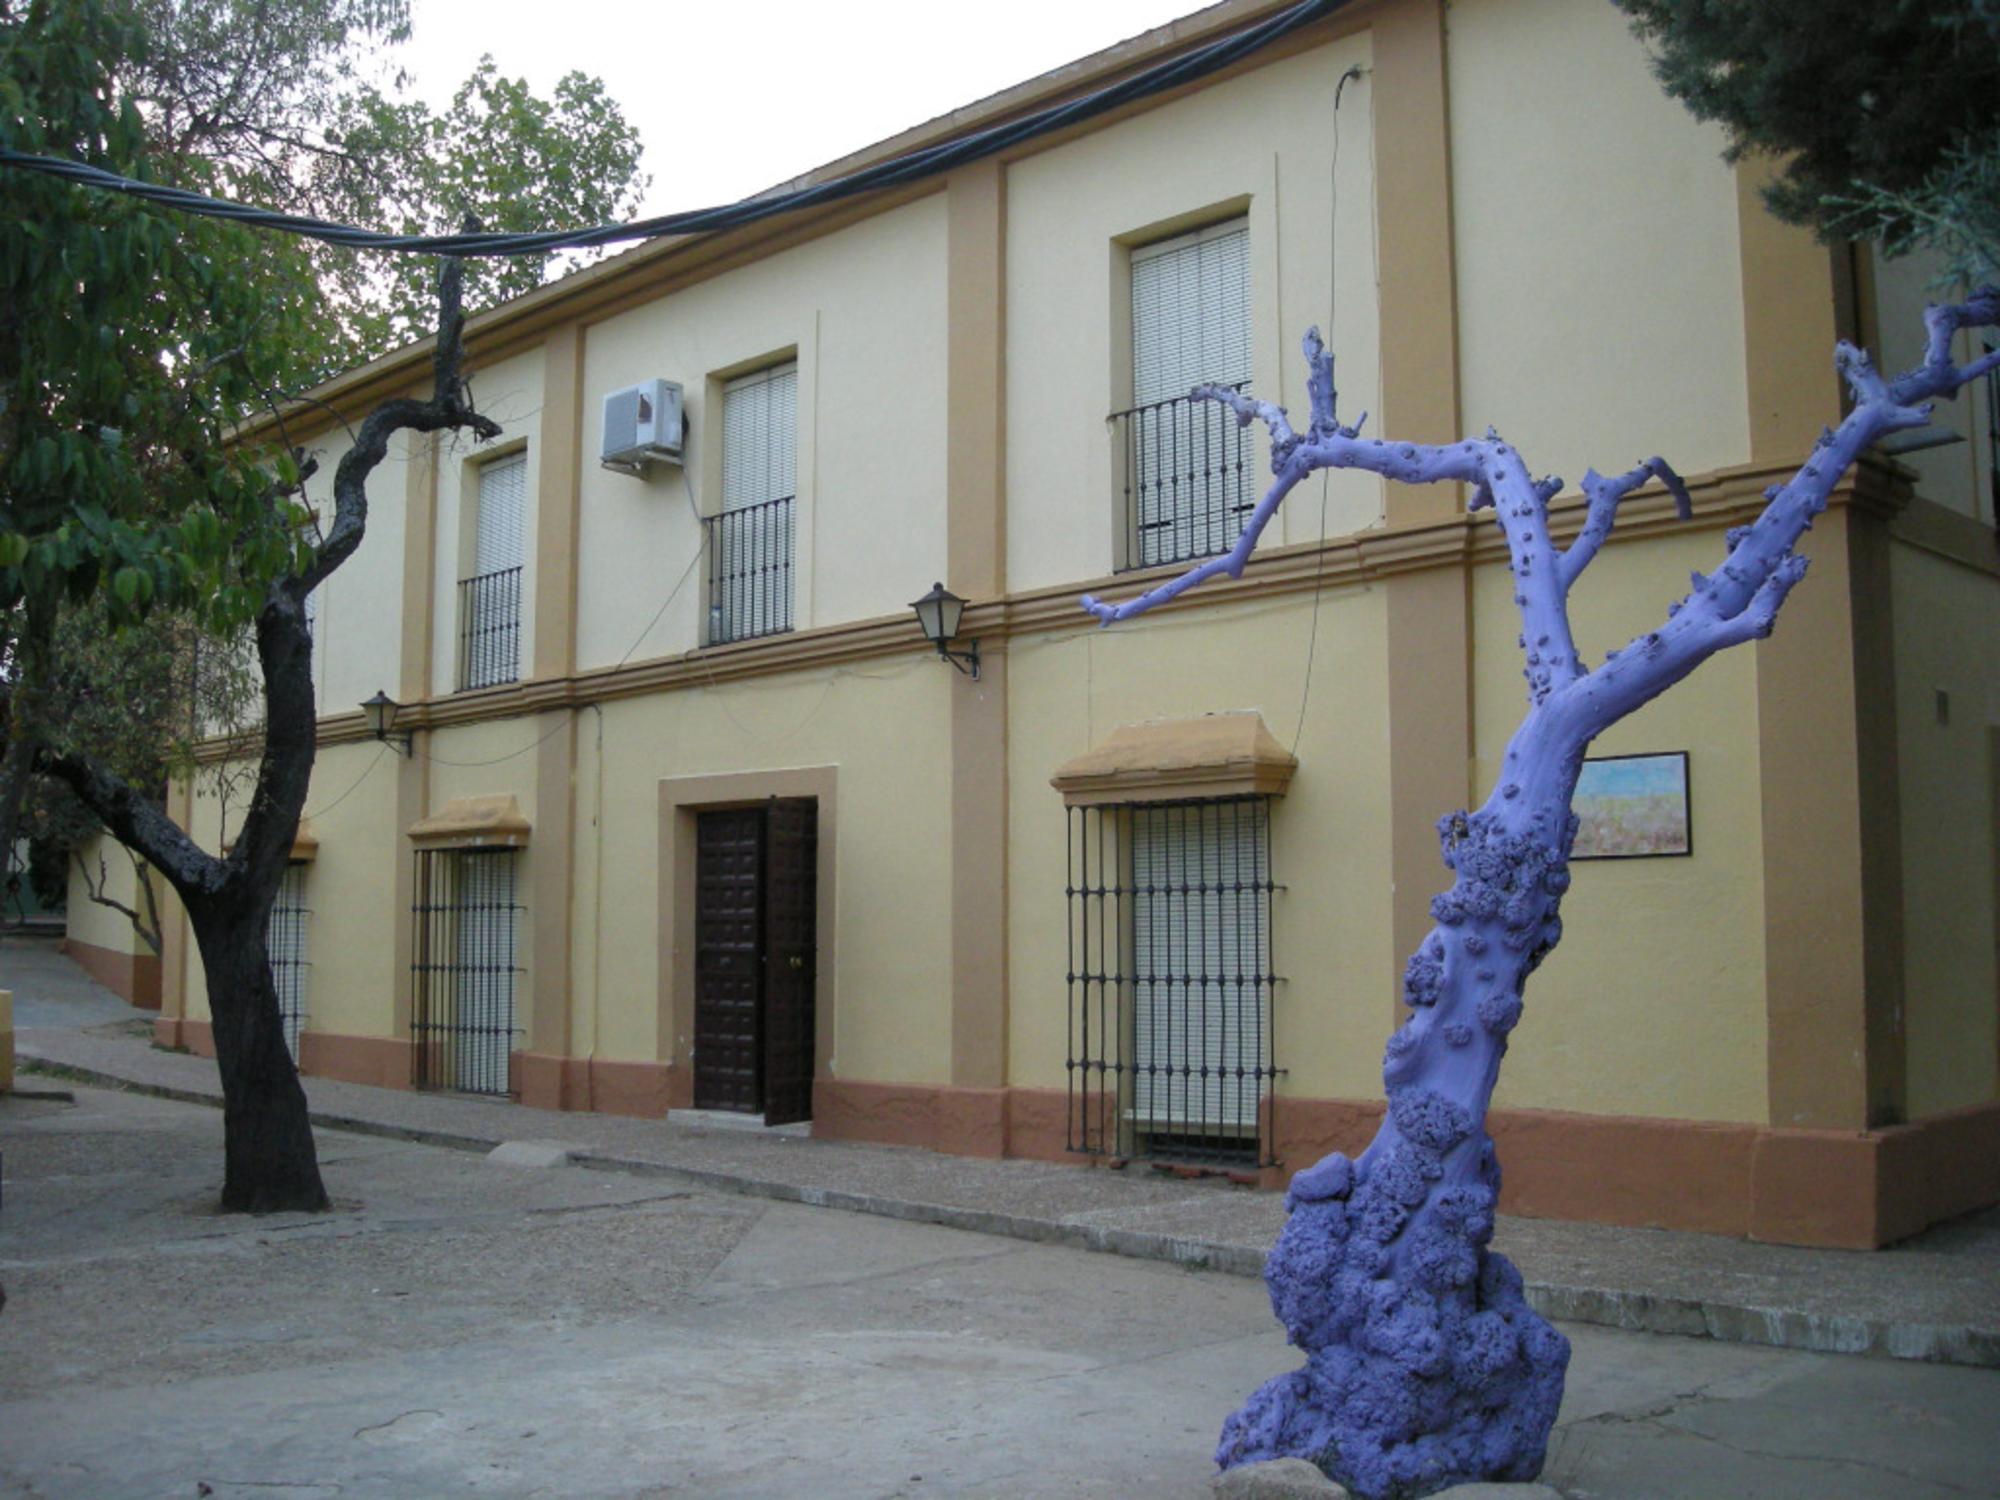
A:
(693, 817)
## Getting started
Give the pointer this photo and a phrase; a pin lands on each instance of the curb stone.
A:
(1632, 1310)
(1277, 1479)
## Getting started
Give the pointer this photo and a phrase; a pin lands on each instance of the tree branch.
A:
(95, 890)
(139, 823)
(1605, 496)
(1739, 603)
(449, 407)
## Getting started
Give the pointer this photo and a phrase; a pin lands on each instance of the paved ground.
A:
(1935, 1298)
(459, 1327)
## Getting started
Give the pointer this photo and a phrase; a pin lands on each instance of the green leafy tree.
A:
(517, 162)
(1885, 113)
(297, 105)
(132, 345)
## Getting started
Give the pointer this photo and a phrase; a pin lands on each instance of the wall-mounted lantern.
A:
(938, 612)
(381, 710)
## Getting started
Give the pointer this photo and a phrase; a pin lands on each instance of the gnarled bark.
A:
(1424, 1365)
(270, 1161)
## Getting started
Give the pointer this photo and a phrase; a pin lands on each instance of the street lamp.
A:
(381, 710)
(938, 612)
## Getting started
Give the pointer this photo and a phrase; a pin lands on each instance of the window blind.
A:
(1191, 312)
(1200, 953)
(760, 442)
(501, 511)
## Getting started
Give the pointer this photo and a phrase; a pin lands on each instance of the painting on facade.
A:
(1632, 806)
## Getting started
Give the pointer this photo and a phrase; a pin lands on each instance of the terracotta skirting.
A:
(1847, 1189)
(379, 1061)
(643, 1089)
(382, 1061)
(132, 977)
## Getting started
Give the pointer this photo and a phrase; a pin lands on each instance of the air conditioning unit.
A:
(642, 424)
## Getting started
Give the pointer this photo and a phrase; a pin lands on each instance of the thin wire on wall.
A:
(1332, 342)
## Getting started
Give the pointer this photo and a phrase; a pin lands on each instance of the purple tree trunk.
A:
(1424, 1365)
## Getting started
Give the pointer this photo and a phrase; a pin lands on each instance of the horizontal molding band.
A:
(1722, 498)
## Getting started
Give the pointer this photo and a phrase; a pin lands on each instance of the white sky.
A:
(732, 98)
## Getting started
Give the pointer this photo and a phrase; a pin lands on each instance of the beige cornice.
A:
(1172, 760)
(490, 822)
(1722, 498)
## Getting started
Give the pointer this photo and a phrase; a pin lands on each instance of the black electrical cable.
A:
(911, 167)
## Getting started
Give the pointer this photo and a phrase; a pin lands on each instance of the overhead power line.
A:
(909, 167)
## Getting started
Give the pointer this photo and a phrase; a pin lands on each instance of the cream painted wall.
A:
(886, 730)
(1957, 475)
(353, 975)
(1330, 834)
(1073, 215)
(112, 871)
(1946, 619)
(510, 392)
(1653, 1004)
(1600, 304)
(863, 312)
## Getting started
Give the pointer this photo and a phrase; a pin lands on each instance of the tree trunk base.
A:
(1425, 1365)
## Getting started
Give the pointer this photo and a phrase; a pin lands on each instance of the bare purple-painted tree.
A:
(1424, 1366)
(269, 1160)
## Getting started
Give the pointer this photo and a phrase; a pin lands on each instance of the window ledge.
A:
(1173, 760)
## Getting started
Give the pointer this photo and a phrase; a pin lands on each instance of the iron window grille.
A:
(489, 629)
(463, 970)
(750, 560)
(1171, 987)
(285, 943)
(1185, 467)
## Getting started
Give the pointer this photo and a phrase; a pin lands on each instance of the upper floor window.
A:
(489, 600)
(750, 543)
(1185, 463)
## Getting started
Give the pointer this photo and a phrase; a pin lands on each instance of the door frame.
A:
(681, 798)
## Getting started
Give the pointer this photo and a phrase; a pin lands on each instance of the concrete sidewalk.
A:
(1933, 1298)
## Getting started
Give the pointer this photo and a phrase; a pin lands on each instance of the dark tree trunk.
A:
(271, 1164)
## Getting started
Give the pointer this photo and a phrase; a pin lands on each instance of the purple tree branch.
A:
(1425, 1365)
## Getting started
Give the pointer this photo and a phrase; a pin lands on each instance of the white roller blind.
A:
(1201, 950)
(502, 507)
(483, 955)
(760, 437)
(1191, 312)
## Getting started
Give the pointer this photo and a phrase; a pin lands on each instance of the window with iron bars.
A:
(1171, 986)
(285, 943)
(464, 970)
(489, 601)
(1184, 465)
(750, 544)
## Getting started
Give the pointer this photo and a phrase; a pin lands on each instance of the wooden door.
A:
(728, 963)
(791, 860)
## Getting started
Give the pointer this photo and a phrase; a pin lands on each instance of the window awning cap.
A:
(305, 843)
(493, 822)
(1171, 760)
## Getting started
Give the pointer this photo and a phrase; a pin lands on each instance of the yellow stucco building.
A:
(694, 817)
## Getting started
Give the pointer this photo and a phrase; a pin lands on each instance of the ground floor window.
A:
(464, 969)
(285, 942)
(1170, 981)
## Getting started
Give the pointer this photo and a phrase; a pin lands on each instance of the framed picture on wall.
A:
(1633, 807)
